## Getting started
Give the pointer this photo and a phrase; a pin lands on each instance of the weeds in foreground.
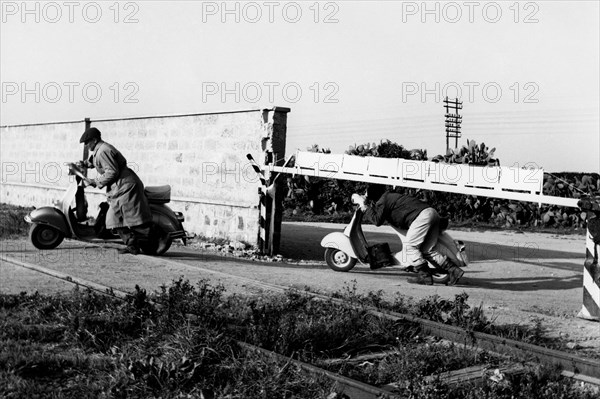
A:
(12, 222)
(180, 342)
(138, 348)
(455, 312)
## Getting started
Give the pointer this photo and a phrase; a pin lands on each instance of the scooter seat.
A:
(158, 194)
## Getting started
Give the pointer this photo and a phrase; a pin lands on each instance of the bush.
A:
(12, 222)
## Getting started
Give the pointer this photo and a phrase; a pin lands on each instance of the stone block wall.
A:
(202, 157)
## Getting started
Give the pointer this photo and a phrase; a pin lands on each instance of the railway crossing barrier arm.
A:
(518, 184)
(510, 183)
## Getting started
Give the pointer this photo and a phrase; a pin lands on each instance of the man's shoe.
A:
(424, 277)
(129, 250)
(455, 273)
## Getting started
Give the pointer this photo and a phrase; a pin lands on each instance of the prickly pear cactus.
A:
(471, 154)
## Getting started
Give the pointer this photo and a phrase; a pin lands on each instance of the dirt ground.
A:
(518, 278)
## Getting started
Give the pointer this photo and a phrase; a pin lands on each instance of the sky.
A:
(351, 72)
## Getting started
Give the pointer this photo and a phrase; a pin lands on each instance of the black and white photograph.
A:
(300, 199)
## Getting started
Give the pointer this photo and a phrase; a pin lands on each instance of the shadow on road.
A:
(302, 241)
(524, 283)
(473, 278)
(476, 279)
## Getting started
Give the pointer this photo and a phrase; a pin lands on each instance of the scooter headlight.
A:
(27, 219)
(179, 216)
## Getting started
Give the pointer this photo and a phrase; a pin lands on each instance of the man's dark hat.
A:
(91, 133)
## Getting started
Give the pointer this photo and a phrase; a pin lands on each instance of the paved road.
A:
(517, 277)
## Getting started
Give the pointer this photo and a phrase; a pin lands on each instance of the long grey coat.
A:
(124, 189)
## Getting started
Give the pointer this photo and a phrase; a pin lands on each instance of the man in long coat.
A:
(129, 213)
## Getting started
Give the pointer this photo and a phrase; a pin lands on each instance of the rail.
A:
(573, 366)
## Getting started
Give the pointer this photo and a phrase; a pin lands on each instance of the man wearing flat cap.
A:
(129, 213)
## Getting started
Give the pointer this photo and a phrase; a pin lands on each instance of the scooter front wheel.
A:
(43, 236)
(339, 260)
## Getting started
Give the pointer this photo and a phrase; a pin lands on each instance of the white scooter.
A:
(343, 250)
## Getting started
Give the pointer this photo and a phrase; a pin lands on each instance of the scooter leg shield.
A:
(447, 245)
(339, 241)
(52, 217)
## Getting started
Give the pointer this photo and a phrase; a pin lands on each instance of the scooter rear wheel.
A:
(339, 260)
(43, 236)
(160, 243)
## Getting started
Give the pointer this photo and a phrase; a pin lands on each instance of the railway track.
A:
(578, 368)
(350, 387)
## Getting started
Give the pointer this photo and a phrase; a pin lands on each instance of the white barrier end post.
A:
(590, 309)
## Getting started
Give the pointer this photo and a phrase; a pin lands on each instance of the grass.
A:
(455, 312)
(103, 347)
(12, 222)
(180, 342)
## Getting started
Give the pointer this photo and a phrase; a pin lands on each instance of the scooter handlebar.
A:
(357, 199)
(77, 170)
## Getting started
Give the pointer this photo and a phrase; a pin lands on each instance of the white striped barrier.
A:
(590, 308)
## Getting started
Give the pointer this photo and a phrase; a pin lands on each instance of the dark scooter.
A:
(50, 225)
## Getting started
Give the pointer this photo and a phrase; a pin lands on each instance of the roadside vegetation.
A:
(12, 222)
(182, 342)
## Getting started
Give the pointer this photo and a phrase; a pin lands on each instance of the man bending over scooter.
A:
(422, 223)
(129, 213)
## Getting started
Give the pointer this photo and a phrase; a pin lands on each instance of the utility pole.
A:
(453, 121)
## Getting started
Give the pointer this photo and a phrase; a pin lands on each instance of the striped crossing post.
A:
(590, 308)
(263, 222)
(270, 197)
